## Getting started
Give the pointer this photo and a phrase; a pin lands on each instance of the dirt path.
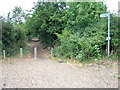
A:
(39, 50)
(45, 73)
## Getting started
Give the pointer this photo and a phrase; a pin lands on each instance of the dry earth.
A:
(46, 73)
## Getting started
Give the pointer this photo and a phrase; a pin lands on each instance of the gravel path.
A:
(45, 73)
(51, 74)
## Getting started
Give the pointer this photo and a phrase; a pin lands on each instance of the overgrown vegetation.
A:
(76, 27)
(13, 33)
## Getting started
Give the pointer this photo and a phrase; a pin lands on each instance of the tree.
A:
(46, 20)
(84, 35)
(82, 14)
(18, 15)
(13, 33)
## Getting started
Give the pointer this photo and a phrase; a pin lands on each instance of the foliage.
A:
(46, 20)
(82, 14)
(18, 15)
(82, 46)
(13, 35)
(12, 38)
(91, 43)
(82, 37)
(115, 32)
(75, 26)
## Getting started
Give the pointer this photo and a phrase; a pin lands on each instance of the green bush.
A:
(46, 20)
(90, 43)
(12, 38)
(82, 46)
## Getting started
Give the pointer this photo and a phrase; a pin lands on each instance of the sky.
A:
(7, 6)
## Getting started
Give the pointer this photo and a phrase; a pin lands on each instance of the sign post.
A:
(108, 38)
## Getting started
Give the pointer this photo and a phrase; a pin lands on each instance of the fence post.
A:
(51, 51)
(35, 53)
(21, 52)
(4, 54)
